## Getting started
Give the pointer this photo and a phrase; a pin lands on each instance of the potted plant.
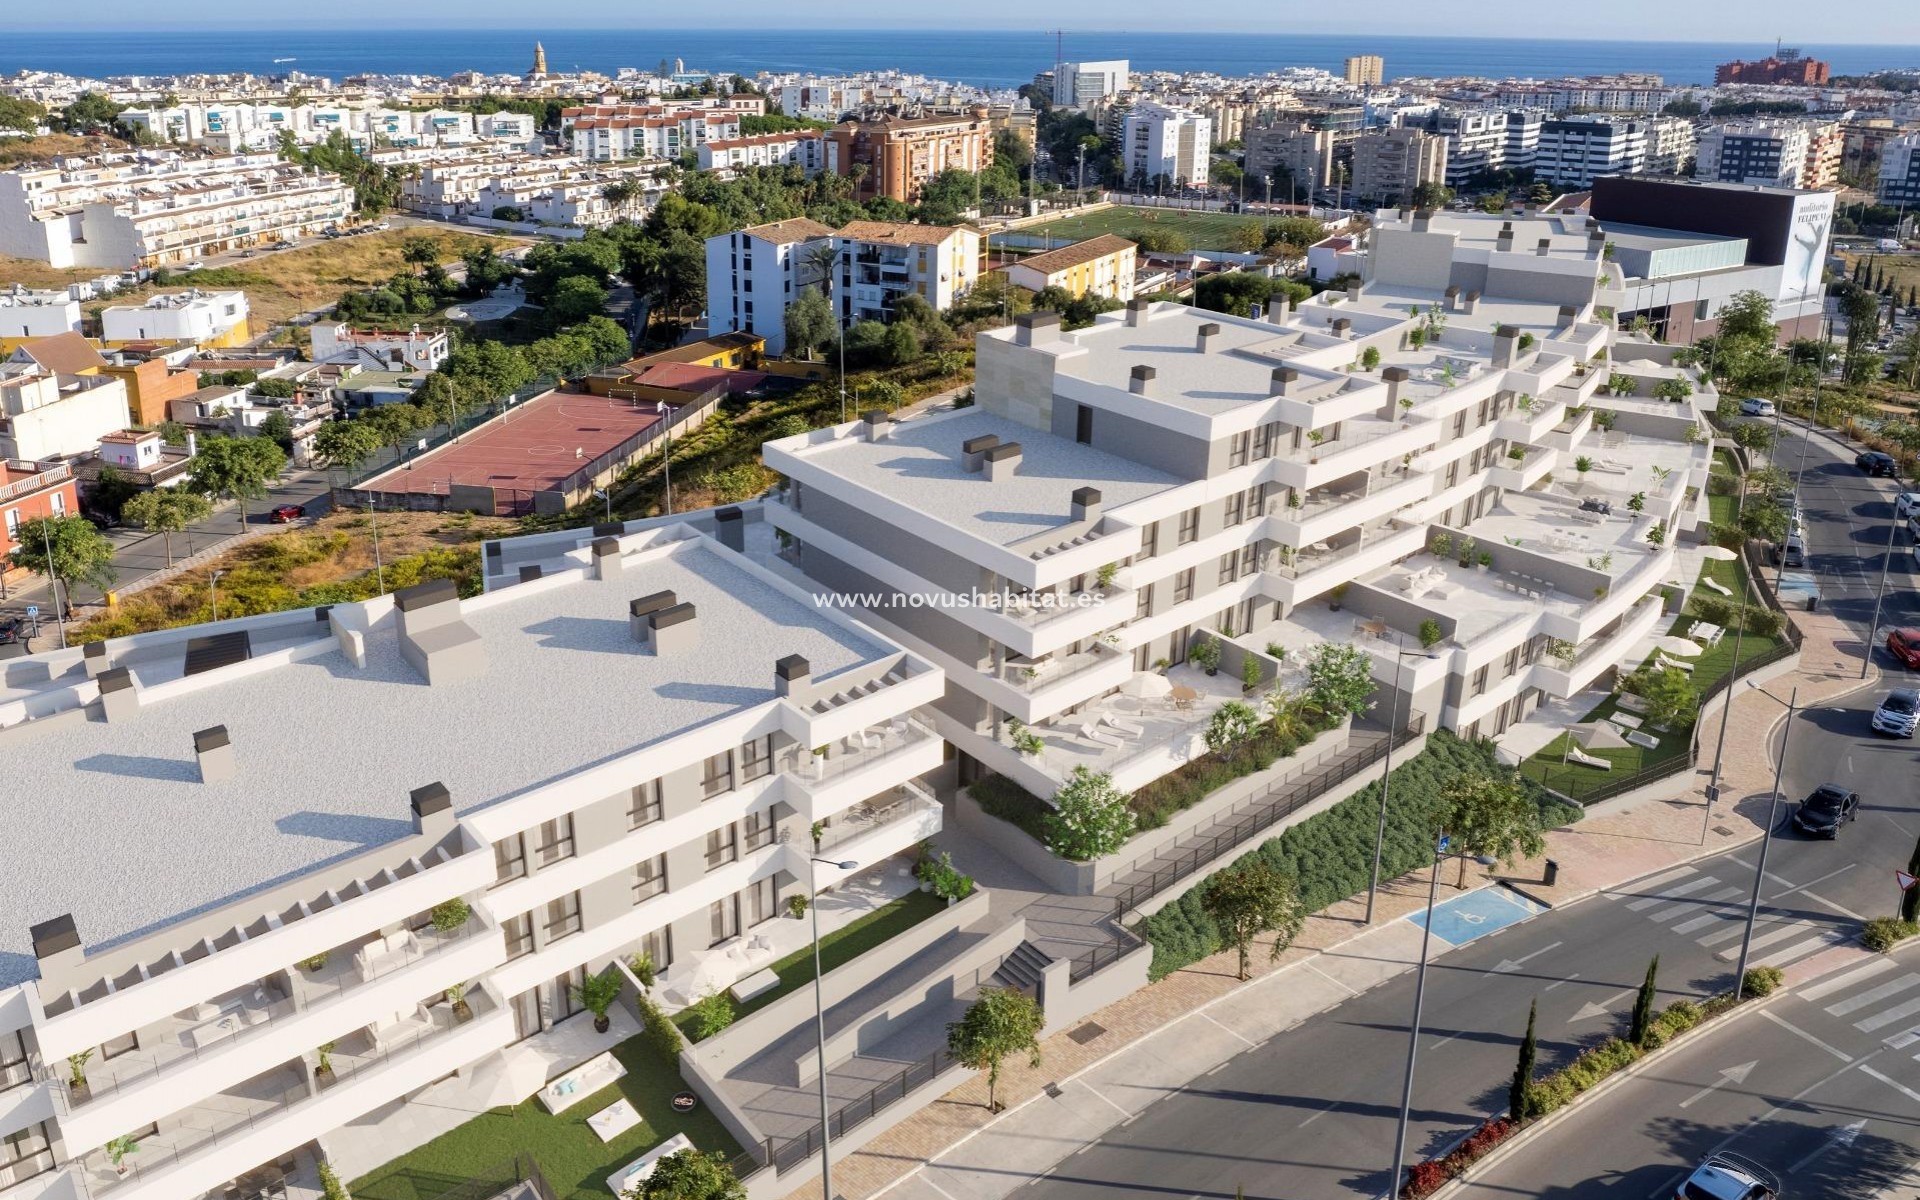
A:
(641, 964)
(1334, 597)
(77, 1072)
(1485, 560)
(1406, 406)
(1293, 499)
(323, 1064)
(1249, 673)
(117, 1151)
(451, 915)
(1430, 634)
(1277, 651)
(1161, 664)
(597, 995)
(457, 1000)
(797, 905)
(314, 964)
(1516, 453)
(1466, 552)
(1206, 653)
(815, 830)
(1369, 358)
(1637, 502)
(1442, 545)
(1106, 573)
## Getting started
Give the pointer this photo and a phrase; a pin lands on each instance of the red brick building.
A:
(28, 491)
(1786, 67)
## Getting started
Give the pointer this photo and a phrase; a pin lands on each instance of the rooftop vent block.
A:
(213, 749)
(1001, 462)
(640, 614)
(973, 451)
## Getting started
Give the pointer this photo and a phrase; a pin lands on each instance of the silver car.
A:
(1898, 713)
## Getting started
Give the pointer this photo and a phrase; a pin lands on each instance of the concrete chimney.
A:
(1086, 504)
(1002, 461)
(432, 809)
(95, 659)
(1281, 379)
(792, 678)
(1355, 290)
(1279, 309)
(1205, 335)
(1341, 328)
(606, 558)
(1543, 247)
(1506, 340)
(1422, 220)
(1036, 328)
(1470, 303)
(875, 425)
(57, 948)
(1505, 241)
(119, 698)
(674, 629)
(731, 526)
(1140, 383)
(529, 573)
(1452, 298)
(1394, 377)
(1137, 312)
(213, 749)
(640, 614)
(973, 451)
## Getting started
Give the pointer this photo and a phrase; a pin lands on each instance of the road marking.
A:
(1845, 912)
(1718, 915)
(1691, 885)
(1843, 1136)
(1590, 1010)
(1790, 1027)
(1349, 988)
(927, 1176)
(1819, 941)
(1559, 983)
(1882, 1020)
(1323, 1112)
(1208, 1017)
(1110, 1104)
(1507, 966)
(1827, 987)
(1667, 914)
(1728, 1075)
(1897, 1086)
(1801, 887)
(1869, 997)
(1740, 928)
(1781, 930)
(1662, 878)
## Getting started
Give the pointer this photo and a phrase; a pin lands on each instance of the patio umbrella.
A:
(1146, 685)
(1679, 646)
(1597, 735)
(1718, 553)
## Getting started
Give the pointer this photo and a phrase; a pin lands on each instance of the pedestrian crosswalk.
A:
(1880, 997)
(1695, 904)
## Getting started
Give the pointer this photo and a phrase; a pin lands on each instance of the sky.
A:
(1883, 22)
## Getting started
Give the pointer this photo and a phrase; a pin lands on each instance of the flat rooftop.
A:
(1236, 368)
(328, 752)
(919, 465)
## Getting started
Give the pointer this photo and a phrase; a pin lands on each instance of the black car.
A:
(1826, 810)
(10, 630)
(1874, 462)
(1597, 504)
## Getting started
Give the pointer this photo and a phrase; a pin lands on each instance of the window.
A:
(59, 502)
(1143, 601)
(1265, 439)
(758, 827)
(1228, 563)
(565, 1003)
(555, 841)
(762, 901)
(13, 524)
(649, 878)
(723, 846)
(14, 1067)
(756, 758)
(1236, 508)
(563, 917)
(115, 1047)
(519, 931)
(643, 807)
(723, 920)
(25, 1154)
(1149, 540)
(1189, 527)
(509, 859)
(1237, 449)
(718, 775)
(1479, 682)
(1083, 425)
(1183, 586)
(658, 946)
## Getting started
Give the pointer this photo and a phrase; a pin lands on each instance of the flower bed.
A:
(1187, 785)
(1426, 1178)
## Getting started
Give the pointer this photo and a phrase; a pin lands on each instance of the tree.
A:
(1764, 520)
(1668, 692)
(1522, 1086)
(23, 116)
(90, 112)
(65, 549)
(1001, 1022)
(1250, 899)
(574, 299)
(1489, 816)
(1643, 1005)
(278, 429)
(111, 489)
(691, 1175)
(419, 252)
(345, 444)
(167, 511)
(1090, 817)
(394, 424)
(238, 468)
(808, 322)
(1234, 292)
(1339, 679)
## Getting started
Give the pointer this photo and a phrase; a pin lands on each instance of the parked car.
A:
(10, 630)
(1756, 407)
(1906, 504)
(287, 512)
(1874, 462)
(1729, 1177)
(1825, 810)
(100, 520)
(1904, 645)
(1792, 552)
(1898, 713)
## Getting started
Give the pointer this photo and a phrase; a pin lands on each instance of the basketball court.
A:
(532, 447)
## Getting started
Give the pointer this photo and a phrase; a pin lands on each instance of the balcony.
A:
(907, 807)
(1028, 678)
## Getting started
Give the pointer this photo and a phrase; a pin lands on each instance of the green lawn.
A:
(841, 946)
(1206, 230)
(571, 1156)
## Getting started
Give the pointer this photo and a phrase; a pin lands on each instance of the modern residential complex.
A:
(611, 132)
(1790, 154)
(881, 261)
(1299, 147)
(310, 945)
(1781, 67)
(895, 156)
(150, 210)
(237, 127)
(1101, 266)
(1574, 151)
(1390, 165)
(1899, 179)
(1078, 84)
(1364, 69)
(754, 273)
(806, 149)
(1162, 142)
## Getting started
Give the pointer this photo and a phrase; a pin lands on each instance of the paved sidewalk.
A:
(955, 1150)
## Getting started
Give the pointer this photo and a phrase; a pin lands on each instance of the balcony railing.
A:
(884, 743)
(1049, 671)
(903, 802)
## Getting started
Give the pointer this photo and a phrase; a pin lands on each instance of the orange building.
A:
(895, 156)
(29, 491)
(151, 384)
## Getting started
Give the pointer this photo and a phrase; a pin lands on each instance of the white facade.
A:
(880, 261)
(1573, 151)
(608, 133)
(1160, 141)
(1078, 84)
(753, 274)
(380, 349)
(1772, 153)
(806, 150)
(31, 314)
(203, 318)
(1900, 171)
(46, 415)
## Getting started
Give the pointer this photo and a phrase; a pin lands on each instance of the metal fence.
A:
(788, 1153)
(1101, 957)
(498, 1178)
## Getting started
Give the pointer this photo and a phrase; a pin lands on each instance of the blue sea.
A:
(987, 59)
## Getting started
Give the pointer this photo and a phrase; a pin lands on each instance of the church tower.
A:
(539, 69)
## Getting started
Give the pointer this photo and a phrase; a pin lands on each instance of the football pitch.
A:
(1204, 230)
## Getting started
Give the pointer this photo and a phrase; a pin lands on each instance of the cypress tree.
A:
(1643, 1006)
(1523, 1070)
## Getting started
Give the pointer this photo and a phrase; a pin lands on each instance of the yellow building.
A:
(1365, 69)
(1101, 266)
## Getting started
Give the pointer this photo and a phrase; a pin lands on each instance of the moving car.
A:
(287, 512)
(1906, 504)
(1729, 1177)
(1755, 407)
(1874, 462)
(1825, 810)
(1904, 645)
(1898, 713)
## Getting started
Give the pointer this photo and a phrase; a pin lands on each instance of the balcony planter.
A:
(457, 1001)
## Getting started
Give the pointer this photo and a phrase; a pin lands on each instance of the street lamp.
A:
(379, 572)
(1766, 835)
(59, 613)
(1419, 994)
(1386, 769)
(1880, 596)
(666, 455)
(213, 588)
(820, 1010)
(1722, 554)
(608, 497)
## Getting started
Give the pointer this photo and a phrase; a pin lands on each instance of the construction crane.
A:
(1059, 44)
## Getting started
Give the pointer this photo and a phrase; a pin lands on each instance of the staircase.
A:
(1022, 969)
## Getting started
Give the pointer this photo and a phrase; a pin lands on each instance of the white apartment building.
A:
(824, 99)
(514, 128)
(1078, 84)
(754, 273)
(1173, 473)
(26, 313)
(416, 923)
(1771, 153)
(806, 149)
(156, 209)
(1160, 141)
(559, 191)
(608, 133)
(880, 261)
(1390, 165)
(48, 413)
(380, 349)
(1573, 151)
(1671, 141)
(207, 319)
(1899, 180)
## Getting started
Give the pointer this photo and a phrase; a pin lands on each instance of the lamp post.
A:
(1766, 837)
(1386, 771)
(608, 497)
(53, 577)
(379, 572)
(1880, 596)
(213, 589)
(1722, 554)
(666, 454)
(820, 1011)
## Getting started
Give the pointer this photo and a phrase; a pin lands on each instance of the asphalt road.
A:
(1311, 1114)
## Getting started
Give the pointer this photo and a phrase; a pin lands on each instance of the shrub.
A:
(451, 915)
(1713, 610)
(661, 1033)
(1884, 933)
(1762, 621)
(1759, 981)
(1001, 797)
(1430, 634)
(1089, 818)
(330, 1185)
(711, 1014)
(1233, 722)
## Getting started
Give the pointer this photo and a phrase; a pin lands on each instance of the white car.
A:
(1729, 1177)
(1754, 407)
(1906, 504)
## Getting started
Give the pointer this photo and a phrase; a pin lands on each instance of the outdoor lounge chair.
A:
(1125, 727)
(1576, 754)
(1099, 736)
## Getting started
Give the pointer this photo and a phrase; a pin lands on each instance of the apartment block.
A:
(1899, 178)
(324, 954)
(1671, 142)
(1101, 266)
(1162, 142)
(53, 408)
(209, 320)
(754, 273)
(1784, 67)
(1365, 70)
(611, 132)
(895, 156)
(150, 210)
(29, 491)
(412, 349)
(1169, 474)
(1574, 151)
(881, 261)
(1078, 84)
(1390, 165)
(805, 149)
(1773, 153)
(26, 314)
(1299, 147)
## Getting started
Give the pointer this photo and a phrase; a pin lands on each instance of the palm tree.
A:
(820, 259)
(621, 194)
